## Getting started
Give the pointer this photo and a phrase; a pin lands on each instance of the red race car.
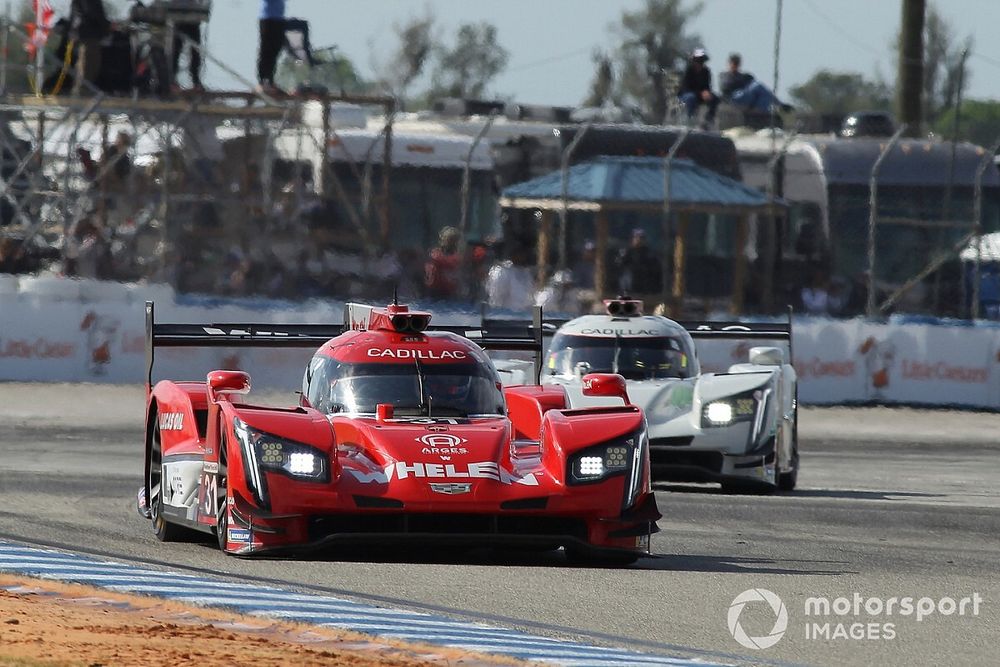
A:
(402, 432)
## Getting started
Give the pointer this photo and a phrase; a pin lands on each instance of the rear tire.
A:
(163, 529)
(222, 520)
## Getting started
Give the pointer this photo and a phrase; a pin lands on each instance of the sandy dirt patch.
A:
(55, 624)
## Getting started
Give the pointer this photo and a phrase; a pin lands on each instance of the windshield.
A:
(633, 358)
(418, 389)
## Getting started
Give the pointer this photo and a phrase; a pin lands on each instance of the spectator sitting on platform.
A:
(639, 268)
(89, 26)
(441, 272)
(743, 90)
(696, 87)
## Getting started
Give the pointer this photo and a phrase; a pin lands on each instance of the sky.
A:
(551, 41)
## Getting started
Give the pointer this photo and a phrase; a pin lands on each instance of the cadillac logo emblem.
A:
(452, 489)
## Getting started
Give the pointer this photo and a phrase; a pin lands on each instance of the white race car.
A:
(737, 428)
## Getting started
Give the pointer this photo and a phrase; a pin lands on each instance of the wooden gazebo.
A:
(609, 184)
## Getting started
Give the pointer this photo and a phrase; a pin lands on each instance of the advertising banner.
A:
(97, 335)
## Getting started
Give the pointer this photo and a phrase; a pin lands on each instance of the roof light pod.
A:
(410, 322)
(623, 307)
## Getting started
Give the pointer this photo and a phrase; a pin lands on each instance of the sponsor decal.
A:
(921, 371)
(241, 535)
(211, 467)
(40, 348)
(171, 421)
(429, 355)
(448, 440)
(449, 471)
(444, 450)
(451, 489)
(619, 332)
(824, 368)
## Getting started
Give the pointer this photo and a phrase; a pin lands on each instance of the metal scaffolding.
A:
(185, 189)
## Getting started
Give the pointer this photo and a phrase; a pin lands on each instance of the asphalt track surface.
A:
(892, 503)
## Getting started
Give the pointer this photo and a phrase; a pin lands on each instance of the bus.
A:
(925, 208)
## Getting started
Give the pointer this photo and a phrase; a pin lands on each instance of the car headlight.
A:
(604, 460)
(730, 410)
(622, 456)
(274, 454)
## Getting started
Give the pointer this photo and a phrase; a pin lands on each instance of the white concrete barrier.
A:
(54, 329)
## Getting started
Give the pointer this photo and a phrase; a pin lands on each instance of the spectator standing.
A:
(191, 31)
(510, 284)
(442, 270)
(583, 270)
(89, 26)
(559, 295)
(743, 90)
(696, 87)
(272, 39)
(639, 269)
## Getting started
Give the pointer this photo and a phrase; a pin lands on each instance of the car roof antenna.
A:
(395, 294)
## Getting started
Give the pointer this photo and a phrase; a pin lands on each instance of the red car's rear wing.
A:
(314, 335)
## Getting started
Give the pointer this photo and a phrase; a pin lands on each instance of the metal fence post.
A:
(977, 226)
(666, 279)
(567, 154)
(870, 307)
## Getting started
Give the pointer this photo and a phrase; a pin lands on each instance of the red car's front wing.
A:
(304, 514)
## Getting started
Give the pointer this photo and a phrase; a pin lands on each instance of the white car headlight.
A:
(719, 413)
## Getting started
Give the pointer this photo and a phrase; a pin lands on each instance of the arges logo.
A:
(441, 440)
(755, 595)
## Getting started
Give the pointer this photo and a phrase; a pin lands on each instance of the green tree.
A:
(602, 88)
(467, 68)
(333, 70)
(415, 46)
(980, 122)
(842, 92)
(943, 64)
(653, 45)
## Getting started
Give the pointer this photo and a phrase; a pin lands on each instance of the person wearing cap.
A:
(696, 87)
(743, 90)
(639, 269)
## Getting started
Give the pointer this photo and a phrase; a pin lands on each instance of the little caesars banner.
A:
(49, 338)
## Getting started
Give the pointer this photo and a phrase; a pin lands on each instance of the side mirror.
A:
(227, 382)
(767, 356)
(605, 384)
